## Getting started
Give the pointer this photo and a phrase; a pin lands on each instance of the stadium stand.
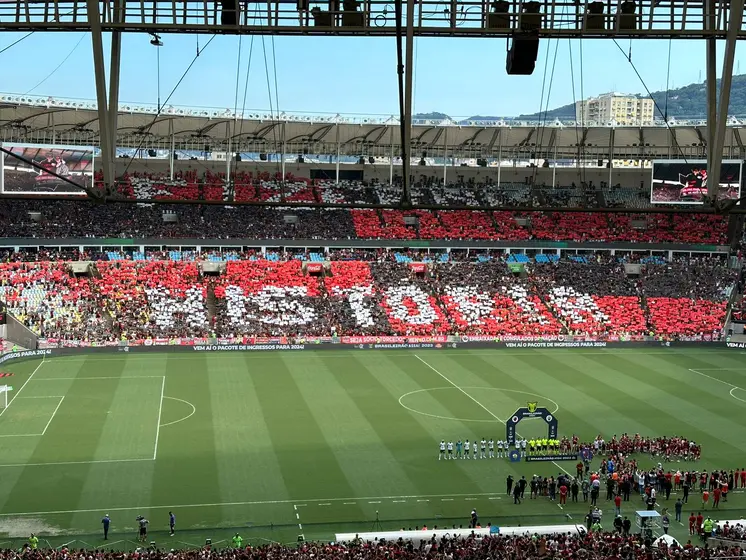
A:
(62, 219)
(599, 545)
(166, 295)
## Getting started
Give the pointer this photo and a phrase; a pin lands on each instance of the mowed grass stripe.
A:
(307, 463)
(248, 468)
(186, 451)
(407, 442)
(603, 409)
(13, 452)
(675, 411)
(453, 402)
(533, 376)
(74, 434)
(360, 450)
(699, 384)
(131, 430)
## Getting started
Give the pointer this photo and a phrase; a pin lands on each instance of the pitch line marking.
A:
(487, 410)
(85, 378)
(344, 353)
(731, 385)
(158, 426)
(59, 404)
(22, 387)
(56, 464)
(247, 503)
(187, 417)
(348, 504)
(468, 419)
(481, 405)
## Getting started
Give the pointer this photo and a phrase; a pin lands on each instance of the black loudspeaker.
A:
(228, 12)
(262, 157)
(600, 163)
(371, 160)
(524, 49)
(152, 153)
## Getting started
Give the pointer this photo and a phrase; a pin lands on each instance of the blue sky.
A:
(460, 77)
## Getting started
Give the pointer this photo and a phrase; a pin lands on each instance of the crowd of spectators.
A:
(80, 218)
(591, 545)
(364, 292)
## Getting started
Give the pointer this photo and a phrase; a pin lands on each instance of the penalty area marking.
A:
(731, 385)
(463, 390)
(187, 417)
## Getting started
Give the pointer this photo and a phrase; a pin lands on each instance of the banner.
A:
(554, 457)
(314, 267)
(392, 339)
(418, 267)
(516, 267)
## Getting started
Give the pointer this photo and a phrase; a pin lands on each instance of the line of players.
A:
(484, 449)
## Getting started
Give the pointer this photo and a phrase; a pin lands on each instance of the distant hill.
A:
(688, 102)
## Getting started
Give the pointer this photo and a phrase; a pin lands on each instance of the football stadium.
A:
(229, 333)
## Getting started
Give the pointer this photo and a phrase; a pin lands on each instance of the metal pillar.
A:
(612, 140)
(173, 147)
(445, 157)
(282, 156)
(114, 71)
(554, 166)
(336, 179)
(408, 77)
(711, 77)
(94, 18)
(391, 157)
(734, 26)
(499, 159)
(228, 153)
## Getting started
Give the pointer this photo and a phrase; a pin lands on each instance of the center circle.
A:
(403, 399)
(734, 392)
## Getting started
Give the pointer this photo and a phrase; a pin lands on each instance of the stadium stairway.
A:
(645, 310)
(211, 302)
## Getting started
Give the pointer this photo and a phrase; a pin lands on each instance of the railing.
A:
(644, 18)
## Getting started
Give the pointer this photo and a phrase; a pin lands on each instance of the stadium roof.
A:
(45, 120)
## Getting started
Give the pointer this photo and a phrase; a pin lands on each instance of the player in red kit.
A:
(715, 497)
(563, 494)
(692, 522)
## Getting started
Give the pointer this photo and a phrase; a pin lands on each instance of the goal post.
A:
(4, 390)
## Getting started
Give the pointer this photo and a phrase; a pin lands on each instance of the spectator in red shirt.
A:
(618, 504)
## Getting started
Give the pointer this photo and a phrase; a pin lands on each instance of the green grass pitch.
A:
(275, 445)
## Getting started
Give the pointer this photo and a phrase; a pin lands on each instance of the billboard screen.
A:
(74, 163)
(681, 182)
